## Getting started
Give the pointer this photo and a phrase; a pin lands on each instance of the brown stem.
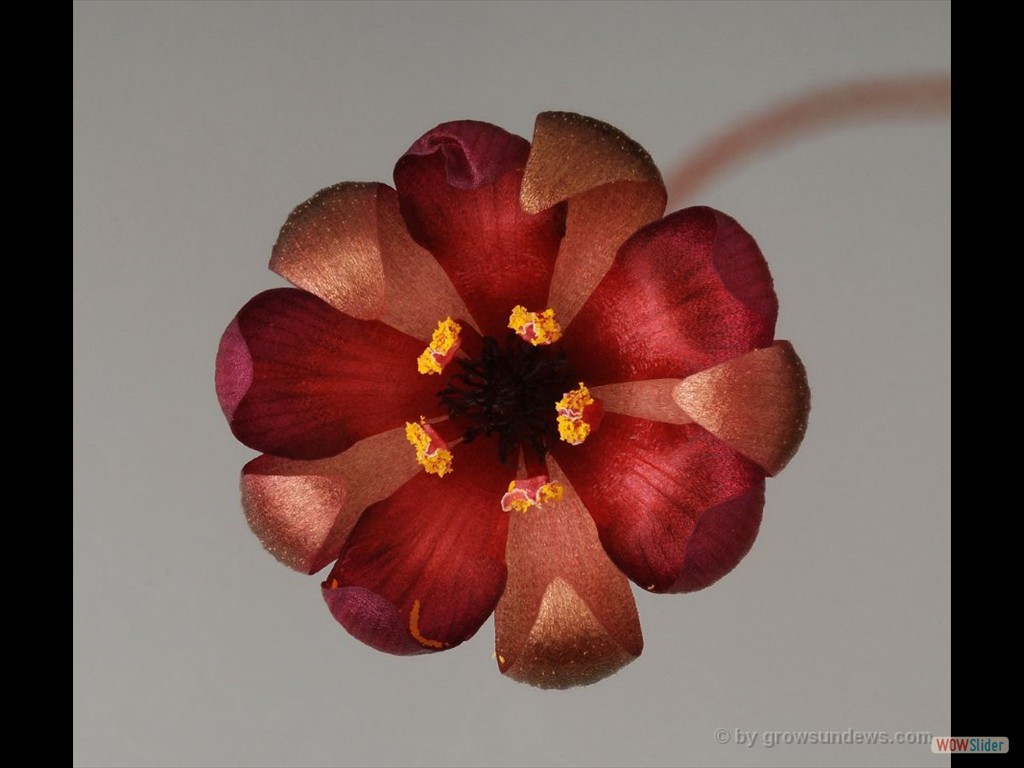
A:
(822, 108)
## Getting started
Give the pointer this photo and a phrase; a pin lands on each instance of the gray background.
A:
(197, 129)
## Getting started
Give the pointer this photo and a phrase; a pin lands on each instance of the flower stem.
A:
(815, 110)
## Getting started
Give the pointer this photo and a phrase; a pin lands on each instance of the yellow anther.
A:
(551, 492)
(573, 403)
(443, 345)
(572, 426)
(431, 451)
(519, 505)
(535, 327)
(572, 431)
(523, 495)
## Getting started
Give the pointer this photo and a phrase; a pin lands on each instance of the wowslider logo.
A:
(942, 745)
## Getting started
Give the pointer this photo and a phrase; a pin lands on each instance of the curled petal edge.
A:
(571, 154)
(348, 245)
(757, 403)
(613, 188)
(302, 511)
(567, 616)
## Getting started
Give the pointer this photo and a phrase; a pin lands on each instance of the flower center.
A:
(509, 390)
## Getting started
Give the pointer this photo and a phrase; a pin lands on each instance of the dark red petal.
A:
(612, 187)
(567, 616)
(234, 369)
(473, 154)
(757, 403)
(684, 294)
(724, 535)
(303, 511)
(318, 380)
(458, 187)
(370, 618)
(424, 569)
(675, 507)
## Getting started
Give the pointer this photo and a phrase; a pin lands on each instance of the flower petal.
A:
(422, 570)
(684, 294)
(459, 192)
(318, 380)
(233, 376)
(348, 245)
(370, 618)
(573, 153)
(757, 403)
(675, 508)
(652, 399)
(567, 616)
(724, 535)
(303, 511)
(613, 189)
(329, 246)
(473, 154)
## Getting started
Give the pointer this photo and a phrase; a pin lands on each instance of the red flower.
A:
(627, 433)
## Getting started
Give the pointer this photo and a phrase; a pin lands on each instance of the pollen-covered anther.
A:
(431, 450)
(524, 495)
(535, 327)
(579, 414)
(444, 343)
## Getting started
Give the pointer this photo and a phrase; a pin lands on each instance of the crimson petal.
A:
(473, 154)
(298, 379)
(458, 187)
(422, 570)
(676, 509)
(684, 294)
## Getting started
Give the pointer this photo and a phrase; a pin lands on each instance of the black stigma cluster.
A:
(510, 391)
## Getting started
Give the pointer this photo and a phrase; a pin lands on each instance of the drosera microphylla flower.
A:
(507, 385)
